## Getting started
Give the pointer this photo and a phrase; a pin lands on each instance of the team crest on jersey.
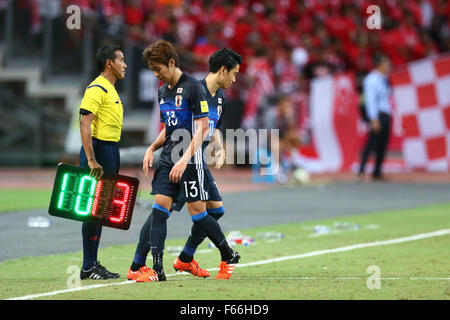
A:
(179, 90)
(178, 100)
(219, 100)
(219, 110)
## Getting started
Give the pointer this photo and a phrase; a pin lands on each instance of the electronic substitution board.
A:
(78, 196)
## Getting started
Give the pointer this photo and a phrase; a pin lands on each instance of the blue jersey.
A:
(179, 107)
(215, 105)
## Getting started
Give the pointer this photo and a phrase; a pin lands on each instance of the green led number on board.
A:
(84, 199)
(66, 195)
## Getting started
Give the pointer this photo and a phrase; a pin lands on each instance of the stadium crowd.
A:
(284, 43)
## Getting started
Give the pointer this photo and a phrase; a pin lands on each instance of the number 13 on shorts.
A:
(191, 190)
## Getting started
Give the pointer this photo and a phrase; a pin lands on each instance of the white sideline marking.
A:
(437, 233)
(351, 247)
(337, 278)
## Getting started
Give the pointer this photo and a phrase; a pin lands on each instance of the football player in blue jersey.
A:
(224, 66)
(184, 111)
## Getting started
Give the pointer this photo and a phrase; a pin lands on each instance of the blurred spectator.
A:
(111, 16)
(187, 27)
(286, 122)
(426, 14)
(134, 19)
(204, 48)
(300, 102)
(262, 85)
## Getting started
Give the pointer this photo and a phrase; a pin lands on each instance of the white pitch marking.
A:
(351, 247)
(335, 278)
(420, 236)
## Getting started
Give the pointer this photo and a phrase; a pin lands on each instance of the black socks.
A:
(152, 236)
(212, 229)
(197, 236)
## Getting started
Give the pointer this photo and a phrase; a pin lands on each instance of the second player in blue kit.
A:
(224, 66)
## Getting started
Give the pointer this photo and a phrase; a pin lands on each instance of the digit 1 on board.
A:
(62, 200)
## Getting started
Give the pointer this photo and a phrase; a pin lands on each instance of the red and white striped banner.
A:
(334, 124)
(421, 94)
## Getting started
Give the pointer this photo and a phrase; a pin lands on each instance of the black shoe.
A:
(235, 258)
(161, 275)
(159, 272)
(109, 274)
(158, 266)
(94, 274)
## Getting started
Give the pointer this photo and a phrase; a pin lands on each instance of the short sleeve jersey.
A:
(179, 107)
(102, 99)
(215, 111)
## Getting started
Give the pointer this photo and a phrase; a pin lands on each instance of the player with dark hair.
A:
(101, 115)
(184, 111)
(223, 68)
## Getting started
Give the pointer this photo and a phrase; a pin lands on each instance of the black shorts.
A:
(194, 185)
(209, 185)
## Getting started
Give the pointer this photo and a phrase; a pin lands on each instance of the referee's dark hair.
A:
(104, 53)
(224, 57)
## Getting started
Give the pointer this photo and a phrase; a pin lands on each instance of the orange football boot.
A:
(191, 267)
(226, 268)
(149, 276)
(133, 275)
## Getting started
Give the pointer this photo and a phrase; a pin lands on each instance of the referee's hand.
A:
(96, 169)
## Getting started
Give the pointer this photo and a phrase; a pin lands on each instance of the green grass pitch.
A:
(409, 270)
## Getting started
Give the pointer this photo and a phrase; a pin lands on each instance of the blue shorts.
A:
(106, 153)
(210, 187)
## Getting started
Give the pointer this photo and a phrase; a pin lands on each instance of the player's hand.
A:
(376, 125)
(220, 158)
(148, 160)
(96, 169)
(177, 171)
